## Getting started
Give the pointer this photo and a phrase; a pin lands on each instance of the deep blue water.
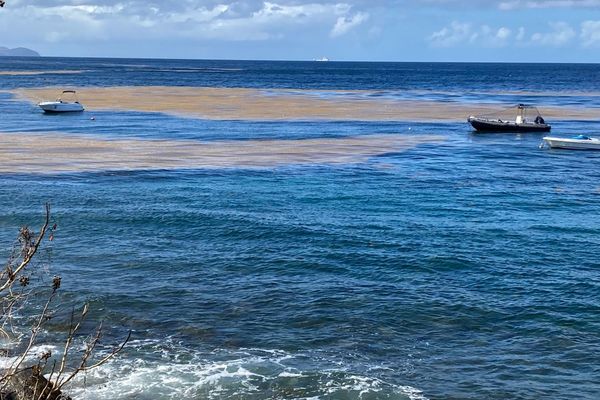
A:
(465, 269)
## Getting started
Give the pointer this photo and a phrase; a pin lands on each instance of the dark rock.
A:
(29, 384)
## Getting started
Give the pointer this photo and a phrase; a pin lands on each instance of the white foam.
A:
(32, 357)
(287, 374)
(157, 371)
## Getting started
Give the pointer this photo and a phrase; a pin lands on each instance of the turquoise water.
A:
(465, 269)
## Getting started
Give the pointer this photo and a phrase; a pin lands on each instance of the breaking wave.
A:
(164, 370)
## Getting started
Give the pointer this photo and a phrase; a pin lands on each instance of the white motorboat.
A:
(61, 105)
(579, 142)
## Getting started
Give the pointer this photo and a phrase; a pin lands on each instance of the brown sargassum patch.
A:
(49, 153)
(277, 104)
(40, 72)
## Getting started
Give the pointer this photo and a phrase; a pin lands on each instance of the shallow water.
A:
(460, 269)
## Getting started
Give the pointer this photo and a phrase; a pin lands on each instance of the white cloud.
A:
(245, 20)
(344, 24)
(590, 33)
(451, 35)
(458, 33)
(269, 22)
(516, 4)
(503, 33)
(561, 33)
(290, 26)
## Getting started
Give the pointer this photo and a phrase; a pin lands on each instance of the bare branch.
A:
(29, 253)
(14, 298)
(34, 333)
(88, 352)
(72, 330)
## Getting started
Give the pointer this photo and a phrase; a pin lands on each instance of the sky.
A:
(344, 30)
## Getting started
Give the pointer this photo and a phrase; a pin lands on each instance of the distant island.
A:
(18, 52)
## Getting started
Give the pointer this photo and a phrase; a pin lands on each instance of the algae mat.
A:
(277, 104)
(58, 153)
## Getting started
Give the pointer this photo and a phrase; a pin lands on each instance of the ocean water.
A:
(465, 269)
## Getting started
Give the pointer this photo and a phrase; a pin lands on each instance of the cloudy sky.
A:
(370, 30)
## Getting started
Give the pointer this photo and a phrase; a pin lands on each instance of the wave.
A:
(164, 370)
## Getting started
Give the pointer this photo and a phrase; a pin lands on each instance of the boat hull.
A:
(572, 144)
(60, 107)
(506, 126)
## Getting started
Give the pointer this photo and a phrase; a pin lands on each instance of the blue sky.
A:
(369, 30)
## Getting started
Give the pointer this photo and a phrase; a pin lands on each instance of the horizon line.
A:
(310, 61)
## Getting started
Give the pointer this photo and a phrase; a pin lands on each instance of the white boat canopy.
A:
(68, 92)
(519, 113)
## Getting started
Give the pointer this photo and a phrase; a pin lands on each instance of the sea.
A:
(461, 269)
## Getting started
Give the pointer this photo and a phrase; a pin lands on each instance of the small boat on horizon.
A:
(528, 119)
(579, 142)
(61, 105)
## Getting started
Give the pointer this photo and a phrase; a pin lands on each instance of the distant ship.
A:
(323, 59)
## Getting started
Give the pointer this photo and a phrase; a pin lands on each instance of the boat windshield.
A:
(519, 113)
(582, 137)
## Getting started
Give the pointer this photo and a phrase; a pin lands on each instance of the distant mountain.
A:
(18, 52)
